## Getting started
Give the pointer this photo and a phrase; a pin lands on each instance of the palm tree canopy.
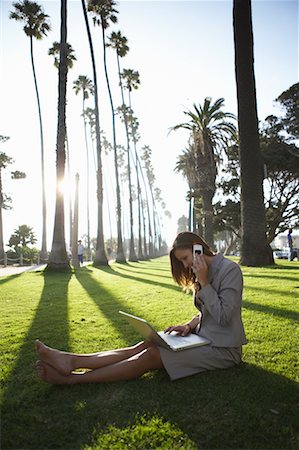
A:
(90, 114)
(186, 164)
(36, 24)
(209, 124)
(119, 43)
(83, 83)
(55, 51)
(132, 78)
(105, 10)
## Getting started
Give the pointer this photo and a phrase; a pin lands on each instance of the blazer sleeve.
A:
(223, 303)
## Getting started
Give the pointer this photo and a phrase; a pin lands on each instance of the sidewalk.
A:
(14, 270)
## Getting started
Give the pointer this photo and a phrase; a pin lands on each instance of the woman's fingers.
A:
(179, 329)
(170, 329)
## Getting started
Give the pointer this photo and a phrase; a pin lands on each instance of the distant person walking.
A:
(80, 252)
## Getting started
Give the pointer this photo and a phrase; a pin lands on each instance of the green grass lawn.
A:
(253, 406)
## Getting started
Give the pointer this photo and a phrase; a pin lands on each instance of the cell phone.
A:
(197, 250)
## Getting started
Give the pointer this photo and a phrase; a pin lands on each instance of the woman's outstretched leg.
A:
(65, 362)
(133, 367)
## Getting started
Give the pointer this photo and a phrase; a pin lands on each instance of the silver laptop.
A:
(170, 341)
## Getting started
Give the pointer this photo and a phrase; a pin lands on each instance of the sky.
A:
(183, 51)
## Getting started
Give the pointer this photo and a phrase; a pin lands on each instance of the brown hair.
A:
(184, 241)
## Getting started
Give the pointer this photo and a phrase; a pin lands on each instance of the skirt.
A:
(199, 359)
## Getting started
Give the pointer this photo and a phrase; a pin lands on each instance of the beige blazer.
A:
(220, 303)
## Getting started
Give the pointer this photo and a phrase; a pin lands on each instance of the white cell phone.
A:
(197, 250)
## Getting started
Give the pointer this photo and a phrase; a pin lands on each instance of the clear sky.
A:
(183, 51)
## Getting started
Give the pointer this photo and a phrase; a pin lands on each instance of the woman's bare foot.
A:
(60, 361)
(50, 375)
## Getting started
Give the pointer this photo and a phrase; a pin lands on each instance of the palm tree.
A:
(74, 245)
(100, 255)
(210, 134)
(85, 85)
(119, 43)
(103, 13)
(55, 51)
(186, 164)
(132, 81)
(36, 26)
(255, 250)
(153, 242)
(58, 259)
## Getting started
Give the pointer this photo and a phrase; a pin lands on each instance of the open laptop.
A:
(170, 341)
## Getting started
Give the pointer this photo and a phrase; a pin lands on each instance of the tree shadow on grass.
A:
(108, 303)
(268, 289)
(50, 324)
(8, 278)
(245, 407)
(155, 272)
(281, 312)
(271, 277)
(112, 271)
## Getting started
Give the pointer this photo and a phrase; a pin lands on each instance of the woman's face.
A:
(185, 256)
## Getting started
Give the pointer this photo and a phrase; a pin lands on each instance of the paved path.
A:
(14, 270)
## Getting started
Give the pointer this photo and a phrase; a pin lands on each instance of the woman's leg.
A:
(126, 369)
(65, 362)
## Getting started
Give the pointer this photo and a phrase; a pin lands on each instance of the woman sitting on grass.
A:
(217, 284)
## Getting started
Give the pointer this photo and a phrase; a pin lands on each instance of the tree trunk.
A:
(206, 187)
(208, 216)
(120, 256)
(1, 223)
(70, 196)
(58, 259)
(132, 254)
(255, 250)
(190, 213)
(87, 179)
(43, 253)
(100, 257)
(139, 196)
(75, 260)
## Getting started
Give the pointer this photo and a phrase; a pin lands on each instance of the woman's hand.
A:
(182, 330)
(200, 269)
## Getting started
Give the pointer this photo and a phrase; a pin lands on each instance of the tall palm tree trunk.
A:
(43, 252)
(75, 260)
(132, 254)
(145, 252)
(190, 210)
(150, 253)
(155, 246)
(120, 257)
(58, 258)
(100, 256)
(139, 199)
(139, 204)
(87, 180)
(1, 223)
(255, 250)
(70, 197)
(208, 214)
